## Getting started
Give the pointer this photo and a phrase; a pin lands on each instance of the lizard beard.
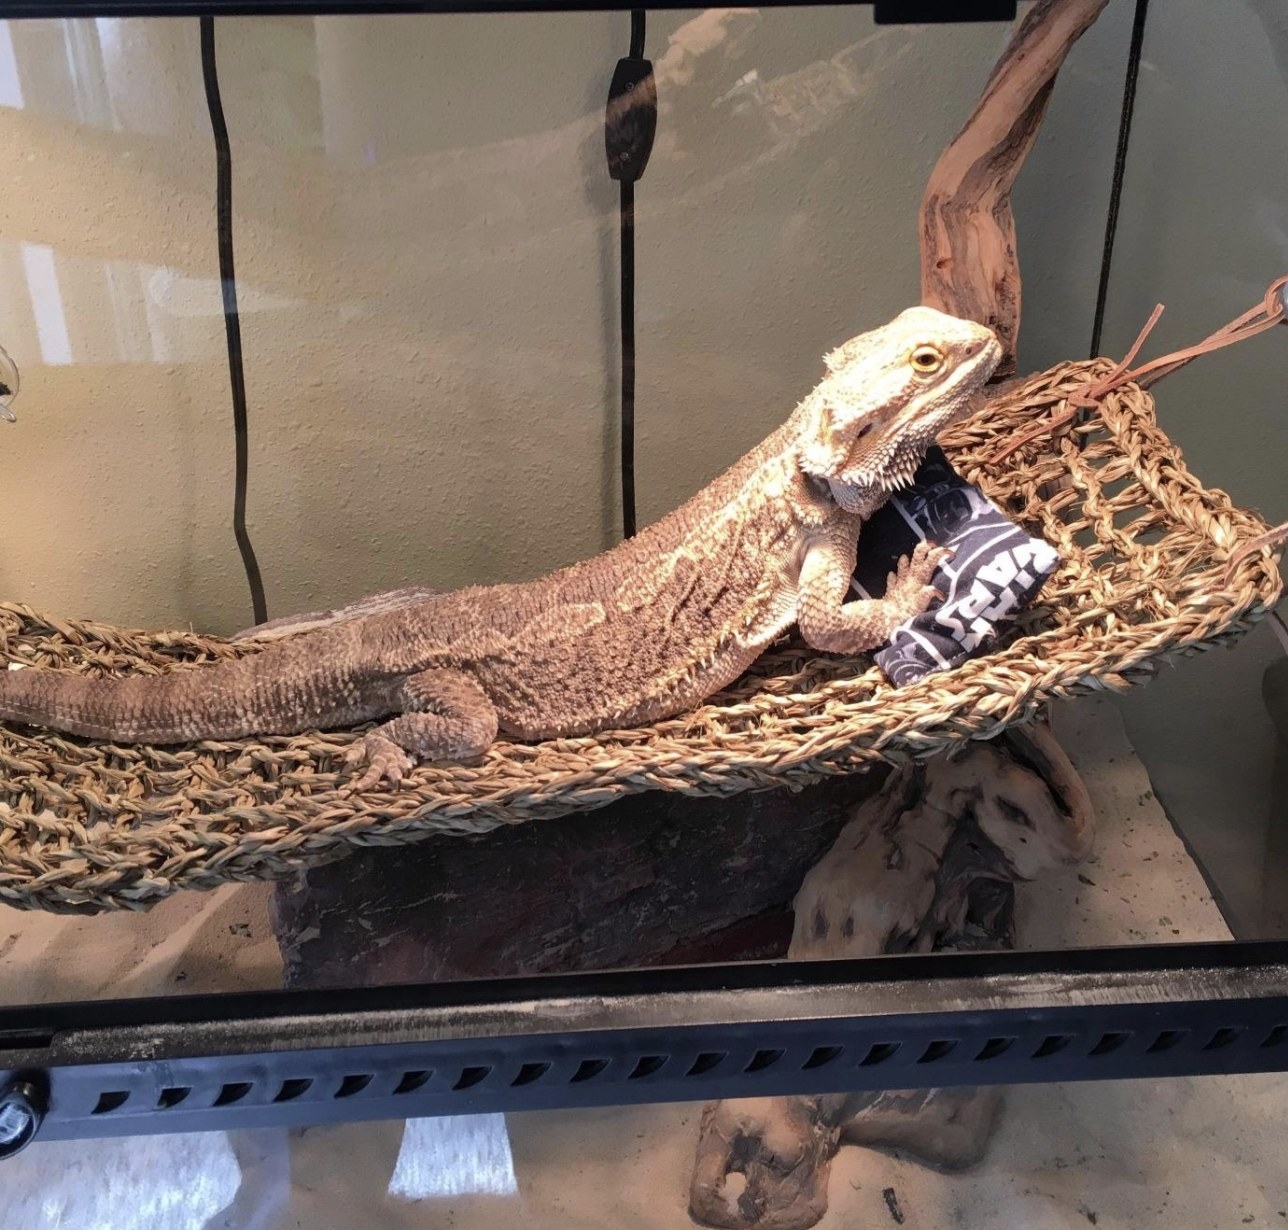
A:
(863, 487)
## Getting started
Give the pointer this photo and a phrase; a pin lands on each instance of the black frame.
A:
(220, 1061)
(207, 1062)
(887, 11)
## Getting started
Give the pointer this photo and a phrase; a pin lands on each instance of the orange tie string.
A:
(1268, 313)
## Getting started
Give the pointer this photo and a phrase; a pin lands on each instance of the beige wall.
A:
(426, 245)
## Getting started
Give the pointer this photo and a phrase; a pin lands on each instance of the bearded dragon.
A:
(644, 631)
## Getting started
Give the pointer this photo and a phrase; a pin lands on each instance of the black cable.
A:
(1120, 167)
(627, 219)
(232, 323)
(628, 356)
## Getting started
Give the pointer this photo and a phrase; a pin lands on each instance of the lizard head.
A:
(887, 395)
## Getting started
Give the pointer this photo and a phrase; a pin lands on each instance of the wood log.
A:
(968, 261)
(659, 879)
(650, 880)
(928, 864)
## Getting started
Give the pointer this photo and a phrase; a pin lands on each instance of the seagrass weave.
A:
(1145, 548)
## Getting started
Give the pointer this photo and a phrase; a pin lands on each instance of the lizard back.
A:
(643, 631)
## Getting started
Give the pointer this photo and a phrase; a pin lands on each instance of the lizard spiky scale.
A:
(644, 631)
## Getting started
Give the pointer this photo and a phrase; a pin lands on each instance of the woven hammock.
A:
(1154, 566)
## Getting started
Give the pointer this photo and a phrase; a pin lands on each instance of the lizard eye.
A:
(926, 360)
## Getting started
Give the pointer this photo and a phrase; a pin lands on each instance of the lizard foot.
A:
(385, 761)
(909, 587)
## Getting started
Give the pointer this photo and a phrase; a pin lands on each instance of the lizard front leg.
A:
(445, 715)
(828, 622)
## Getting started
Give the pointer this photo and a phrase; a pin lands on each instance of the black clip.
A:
(22, 1111)
(922, 12)
(631, 121)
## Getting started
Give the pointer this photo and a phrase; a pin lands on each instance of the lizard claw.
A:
(385, 761)
(910, 584)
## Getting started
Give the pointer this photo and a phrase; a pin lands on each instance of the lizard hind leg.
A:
(445, 715)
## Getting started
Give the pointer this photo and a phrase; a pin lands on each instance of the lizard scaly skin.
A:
(644, 631)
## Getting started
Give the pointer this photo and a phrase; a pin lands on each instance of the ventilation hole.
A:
(762, 1060)
(1222, 1037)
(822, 1055)
(937, 1050)
(530, 1072)
(1109, 1042)
(1052, 1044)
(173, 1096)
(879, 1053)
(353, 1084)
(1165, 1041)
(995, 1047)
(1275, 1036)
(588, 1069)
(647, 1065)
(108, 1102)
(705, 1062)
(292, 1089)
(470, 1077)
(233, 1092)
(412, 1081)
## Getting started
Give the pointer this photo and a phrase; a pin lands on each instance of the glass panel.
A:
(428, 276)
(1202, 231)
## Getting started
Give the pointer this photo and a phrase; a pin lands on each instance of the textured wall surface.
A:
(426, 245)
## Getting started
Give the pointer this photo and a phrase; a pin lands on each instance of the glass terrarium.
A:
(577, 590)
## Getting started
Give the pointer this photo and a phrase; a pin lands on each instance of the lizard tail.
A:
(277, 691)
(133, 709)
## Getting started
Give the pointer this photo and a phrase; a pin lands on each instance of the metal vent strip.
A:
(194, 1063)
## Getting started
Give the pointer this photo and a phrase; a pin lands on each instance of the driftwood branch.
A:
(927, 864)
(968, 262)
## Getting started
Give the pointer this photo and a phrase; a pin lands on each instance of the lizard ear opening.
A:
(821, 452)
